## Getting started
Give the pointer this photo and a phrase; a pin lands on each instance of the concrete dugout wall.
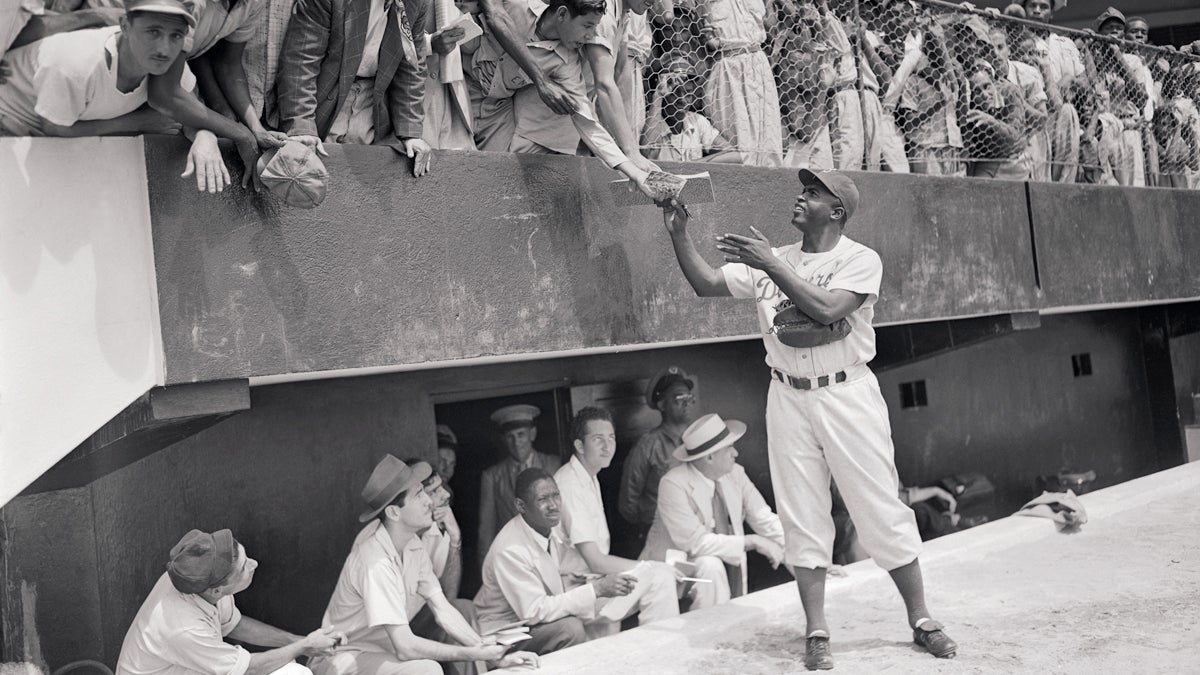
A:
(285, 475)
(497, 254)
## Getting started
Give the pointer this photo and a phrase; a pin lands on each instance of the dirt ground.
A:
(1121, 596)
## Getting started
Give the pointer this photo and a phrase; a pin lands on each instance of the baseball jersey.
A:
(849, 266)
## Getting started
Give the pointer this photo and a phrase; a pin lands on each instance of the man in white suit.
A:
(702, 505)
(525, 577)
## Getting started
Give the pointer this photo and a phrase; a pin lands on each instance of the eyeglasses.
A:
(684, 398)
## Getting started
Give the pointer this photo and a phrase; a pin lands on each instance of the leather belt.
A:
(738, 51)
(806, 383)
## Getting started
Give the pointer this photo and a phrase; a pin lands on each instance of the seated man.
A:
(182, 625)
(671, 393)
(523, 576)
(347, 75)
(586, 529)
(387, 579)
(510, 113)
(447, 449)
(94, 82)
(701, 508)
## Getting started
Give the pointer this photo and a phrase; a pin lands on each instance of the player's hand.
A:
(444, 42)
(421, 154)
(921, 494)
(520, 661)
(489, 652)
(205, 162)
(247, 148)
(675, 217)
(555, 97)
(613, 585)
(268, 139)
(321, 642)
(770, 550)
(312, 142)
(754, 250)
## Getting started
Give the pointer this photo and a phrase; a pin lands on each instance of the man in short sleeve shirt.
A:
(583, 522)
(387, 579)
(181, 627)
(825, 415)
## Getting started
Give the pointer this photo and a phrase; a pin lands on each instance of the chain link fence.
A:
(917, 86)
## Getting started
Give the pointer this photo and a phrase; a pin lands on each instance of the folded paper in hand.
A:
(689, 189)
(471, 30)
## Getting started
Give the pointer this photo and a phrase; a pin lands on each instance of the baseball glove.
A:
(796, 329)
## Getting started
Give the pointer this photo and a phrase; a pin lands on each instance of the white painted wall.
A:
(79, 329)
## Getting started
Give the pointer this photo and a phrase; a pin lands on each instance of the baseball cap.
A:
(390, 478)
(201, 560)
(1110, 13)
(182, 8)
(839, 185)
(295, 174)
(665, 379)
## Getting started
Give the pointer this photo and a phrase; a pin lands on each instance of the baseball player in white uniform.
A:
(825, 414)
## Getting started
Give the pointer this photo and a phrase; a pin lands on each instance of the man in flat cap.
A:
(182, 626)
(518, 431)
(387, 579)
(671, 393)
(703, 505)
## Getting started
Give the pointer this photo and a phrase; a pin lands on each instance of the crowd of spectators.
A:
(907, 86)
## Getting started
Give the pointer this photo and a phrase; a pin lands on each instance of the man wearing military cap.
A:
(671, 393)
(497, 504)
(182, 626)
(388, 578)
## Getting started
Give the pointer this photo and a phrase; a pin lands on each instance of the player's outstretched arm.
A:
(706, 280)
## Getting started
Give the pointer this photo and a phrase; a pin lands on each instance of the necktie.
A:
(399, 17)
(724, 525)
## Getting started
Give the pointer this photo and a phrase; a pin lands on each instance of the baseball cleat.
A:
(817, 655)
(935, 641)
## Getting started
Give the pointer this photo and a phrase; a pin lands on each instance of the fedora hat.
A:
(707, 435)
(390, 478)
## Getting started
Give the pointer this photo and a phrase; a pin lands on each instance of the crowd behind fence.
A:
(906, 86)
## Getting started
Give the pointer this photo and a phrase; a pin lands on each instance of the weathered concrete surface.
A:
(1122, 596)
(497, 254)
(1098, 245)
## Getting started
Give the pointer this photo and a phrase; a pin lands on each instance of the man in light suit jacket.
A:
(353, 71)
(524, 580)
(702, 505)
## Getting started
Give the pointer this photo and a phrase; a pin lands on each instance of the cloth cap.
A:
(707, 435)
(1110, 13)
(295, 174)
(514, 416)
(201, 560)
(446, 437)
(182, 8)
(839, 185)
(664, 379)
(390, 478)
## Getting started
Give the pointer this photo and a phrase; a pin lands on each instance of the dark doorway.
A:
(479, 448)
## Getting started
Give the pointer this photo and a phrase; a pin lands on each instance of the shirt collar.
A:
(708, 482)
(543, 542)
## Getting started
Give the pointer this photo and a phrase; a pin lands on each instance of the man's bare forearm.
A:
(705, 279)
